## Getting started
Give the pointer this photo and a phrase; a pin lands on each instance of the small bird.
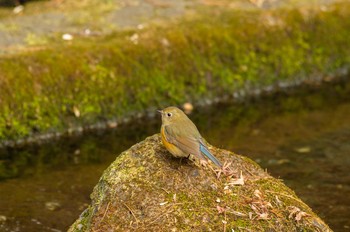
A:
(181, 137)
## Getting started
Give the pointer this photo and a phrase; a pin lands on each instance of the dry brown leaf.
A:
(258, 194)
(238, 181)
(296, 213)
(278, 201)
(220, 209)
(263, 216)
(300, 215)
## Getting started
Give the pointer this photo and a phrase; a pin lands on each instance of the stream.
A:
(301, 136)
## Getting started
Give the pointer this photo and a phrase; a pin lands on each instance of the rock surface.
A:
(146, 189)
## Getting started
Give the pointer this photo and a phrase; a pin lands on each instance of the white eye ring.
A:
(169, 114)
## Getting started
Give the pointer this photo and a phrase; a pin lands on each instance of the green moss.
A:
(97, 79)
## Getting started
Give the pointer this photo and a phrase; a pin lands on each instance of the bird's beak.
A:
(160, 111)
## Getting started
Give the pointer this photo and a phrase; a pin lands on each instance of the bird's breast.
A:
(173, 149)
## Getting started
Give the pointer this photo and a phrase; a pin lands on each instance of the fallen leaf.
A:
(278, 201)
(296, 213)
(263, 216)
(76, 111)
(258, 194)
(220, 209)
(239, 181)
(300, 215)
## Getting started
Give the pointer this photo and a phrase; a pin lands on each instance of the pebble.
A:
(52, 205)
(3, 218)
(67, 37)
(188, 107)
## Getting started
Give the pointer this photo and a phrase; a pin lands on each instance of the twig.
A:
(104, 214)
(286, 196)
(132, 212)
(167, 192)
(169, 209)
(225, 221)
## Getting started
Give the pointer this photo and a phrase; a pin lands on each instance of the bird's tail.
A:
(207, 153)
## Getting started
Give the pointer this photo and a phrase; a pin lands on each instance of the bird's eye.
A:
(169, 114)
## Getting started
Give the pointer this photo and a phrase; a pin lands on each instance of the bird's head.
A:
(171, 114)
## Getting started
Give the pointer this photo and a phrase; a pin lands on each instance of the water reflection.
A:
(54, 180)
(302, 137)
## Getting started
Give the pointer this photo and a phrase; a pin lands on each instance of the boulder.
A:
(146, 189)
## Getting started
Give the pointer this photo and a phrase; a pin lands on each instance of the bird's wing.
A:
(190, 145)
(187, 144)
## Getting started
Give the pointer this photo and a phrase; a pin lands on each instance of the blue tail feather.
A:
(207, 153)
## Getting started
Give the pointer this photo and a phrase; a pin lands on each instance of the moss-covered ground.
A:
(210, 54)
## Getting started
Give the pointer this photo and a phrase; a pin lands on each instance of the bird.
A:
(181, 137)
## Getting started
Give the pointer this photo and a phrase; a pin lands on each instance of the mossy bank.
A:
(211, 54)
(146, 189)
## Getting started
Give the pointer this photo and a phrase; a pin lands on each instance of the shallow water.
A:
(302, 137)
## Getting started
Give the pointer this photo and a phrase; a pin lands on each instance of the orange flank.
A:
(171, 147)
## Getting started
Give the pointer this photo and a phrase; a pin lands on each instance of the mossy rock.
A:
(146, 189)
